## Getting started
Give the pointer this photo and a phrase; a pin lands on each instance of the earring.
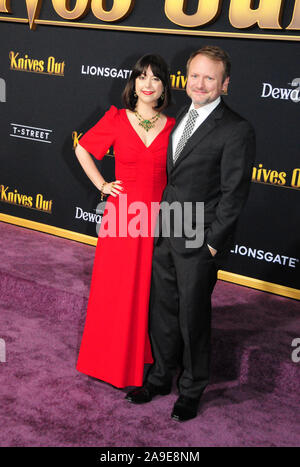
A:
(135, 94)
(162, 96)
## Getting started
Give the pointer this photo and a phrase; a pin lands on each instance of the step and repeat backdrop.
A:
(64, 63)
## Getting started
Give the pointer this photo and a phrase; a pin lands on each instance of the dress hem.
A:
(118, 386)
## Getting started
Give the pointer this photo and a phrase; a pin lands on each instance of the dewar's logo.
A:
(283, 93)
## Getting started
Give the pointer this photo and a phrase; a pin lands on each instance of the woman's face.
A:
(148, 87)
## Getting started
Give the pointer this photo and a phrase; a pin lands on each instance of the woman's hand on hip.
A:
(113, 188)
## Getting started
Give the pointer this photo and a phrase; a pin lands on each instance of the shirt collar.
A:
(208, 108)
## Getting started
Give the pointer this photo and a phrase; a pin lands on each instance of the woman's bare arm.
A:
(90, 168)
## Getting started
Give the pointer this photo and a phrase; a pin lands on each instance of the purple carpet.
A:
(253, 398)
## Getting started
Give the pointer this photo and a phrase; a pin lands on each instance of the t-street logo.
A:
(2, 90)
(40, 135)
(266, 256)
(287, 94)
(37, 202)
(50, 66)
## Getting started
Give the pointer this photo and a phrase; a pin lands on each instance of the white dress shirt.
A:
(203, 113)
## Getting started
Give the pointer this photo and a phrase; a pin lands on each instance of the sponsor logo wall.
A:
(48, 66)
(41, 135)
(292, 93)
(13, 196)
(104, 72)
(57, 82)
(267, 256)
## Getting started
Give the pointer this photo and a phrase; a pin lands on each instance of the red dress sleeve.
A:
(98, 139)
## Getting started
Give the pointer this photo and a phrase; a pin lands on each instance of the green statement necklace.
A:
(147, 124)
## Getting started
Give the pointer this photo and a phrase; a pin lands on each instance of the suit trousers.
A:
(180, 316)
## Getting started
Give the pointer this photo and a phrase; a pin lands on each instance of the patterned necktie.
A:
(187, 131)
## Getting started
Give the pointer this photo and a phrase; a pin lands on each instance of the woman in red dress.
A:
(115, 343)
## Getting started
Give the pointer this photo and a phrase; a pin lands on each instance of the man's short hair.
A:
(214, 53)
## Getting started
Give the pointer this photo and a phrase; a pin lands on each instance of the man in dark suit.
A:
(210, 158)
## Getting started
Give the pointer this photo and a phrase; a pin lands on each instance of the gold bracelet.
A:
(101, 189)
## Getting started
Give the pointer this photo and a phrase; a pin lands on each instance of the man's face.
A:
(205, 80)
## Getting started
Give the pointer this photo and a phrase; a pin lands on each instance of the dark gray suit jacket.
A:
(215, 167)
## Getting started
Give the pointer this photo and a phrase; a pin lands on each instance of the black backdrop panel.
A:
(88, 70)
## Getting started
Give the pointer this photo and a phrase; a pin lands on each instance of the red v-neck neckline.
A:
(131, 126)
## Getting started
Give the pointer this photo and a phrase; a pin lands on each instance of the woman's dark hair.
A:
(160, 70)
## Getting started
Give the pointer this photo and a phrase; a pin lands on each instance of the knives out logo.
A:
(261, 174)
(25, 63)
(38, 202)
(242, 14)
(178, 81)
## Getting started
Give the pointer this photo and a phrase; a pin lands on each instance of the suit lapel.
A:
(204, 129)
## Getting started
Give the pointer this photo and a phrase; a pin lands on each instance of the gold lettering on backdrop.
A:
(119, 10)
(5, 6)
(76, 138)
(295, 23)
(178, 81)
(62, 7)
(296, 178)
(268, 176)
(33, 10)
(42, 204)
(207, 11)
(3, 193)
(37, 66)
(242, 14)
(25, 63)
(19, 199)
(55, 68)
(13, 63)
(267, 15)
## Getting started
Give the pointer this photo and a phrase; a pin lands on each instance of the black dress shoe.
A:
(146, 393)
(185, 408)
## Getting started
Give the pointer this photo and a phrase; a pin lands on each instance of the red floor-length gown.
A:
(115, 343)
